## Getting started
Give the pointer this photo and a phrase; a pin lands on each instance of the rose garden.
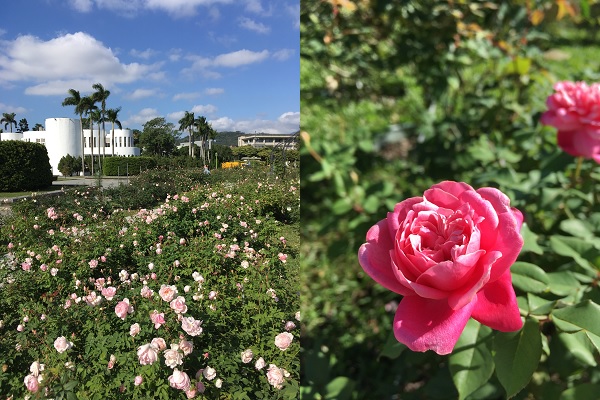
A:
(179, 285)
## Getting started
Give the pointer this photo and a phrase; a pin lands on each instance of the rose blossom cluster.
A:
(449, 254)
(574, 110)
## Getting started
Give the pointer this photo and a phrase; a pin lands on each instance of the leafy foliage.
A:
(397, 97)
(24, 166)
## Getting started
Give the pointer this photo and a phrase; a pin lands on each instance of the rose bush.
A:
(449, 254)
(574, 110)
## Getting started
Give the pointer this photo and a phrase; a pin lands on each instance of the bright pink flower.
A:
(574, 110)
(449, 254)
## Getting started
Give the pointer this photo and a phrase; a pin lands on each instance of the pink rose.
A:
(260, 363)
(574, 110)
(173, 357)
(123, 308)
(209, 373)
(109, 292)
(186, 346)
(275, 376)
(147, 354)
(178, 305)
(449, 254)
(179, 380)
(138, 380)
(167, 292)
(283, 340)
(31, 383)
(191, 326)
(61, 344)
(134, 329)
(159, 343)
(157, 318)
(247, 356)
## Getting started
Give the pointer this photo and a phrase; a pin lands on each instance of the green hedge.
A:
(24, 166)
(121, 166)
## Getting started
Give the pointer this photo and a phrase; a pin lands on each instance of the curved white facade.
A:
(63, 136)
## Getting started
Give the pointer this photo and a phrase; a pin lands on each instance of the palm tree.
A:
(81, 106)
(38, 127)
(89, 108)
(206, 131)
(111, 116)
(100, 95)
(96, 116)
(9, 119)
(187, 122)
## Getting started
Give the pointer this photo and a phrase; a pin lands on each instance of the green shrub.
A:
(127, 166)
(24, 166)
(68, 165)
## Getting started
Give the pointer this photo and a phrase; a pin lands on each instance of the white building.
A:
(63, 136)
(261, 140)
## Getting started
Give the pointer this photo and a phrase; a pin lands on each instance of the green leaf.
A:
(563, 283)
(471, 364)
(517, 355)
(579, 347)
(339, 388)
(572, 247)
(530, 241)
(582, 316)
(539, 306)
(586, 391)
(392, 347)
(529, 277)
(594, 339)
(576, 228)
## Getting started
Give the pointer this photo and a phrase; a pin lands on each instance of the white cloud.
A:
(175, 117)
(7, 108)
(186, 96)
(207, 109)
(283, 54)
(142, 94)
(288, 122)
(214, 91)
(142, 117)
(144, 54)
(252, 25)
(83, 6)
(294, 12)
(181, 8)
(65, 62)
(239, 58)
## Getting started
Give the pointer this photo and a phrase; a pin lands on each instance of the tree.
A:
(90, 107)
(111, 116)
(158, 137)
(100, 95)
(38, 127)
(205, 131)
(187, 122)
(9, 119)
(96, 116)
(68, 165)
(76, 100)
(23, 125)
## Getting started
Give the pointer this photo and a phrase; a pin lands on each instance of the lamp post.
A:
(216, 160)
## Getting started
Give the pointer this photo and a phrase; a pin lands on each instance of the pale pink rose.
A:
(218, 383)
(36, 368)
(191, 392)
(449, 254)
(157, 318)
(147, 354)
(134, 329)
(167, 292)
(146, 292)
(179, 380)
(178, 305)
(123, 308)
(275, 376)
(289, 326)
(173, 357)
(212, 295)
(247, 356)
(573, 111)
(191, 326)
(20, 328)
(282, 257)
(31, 383)
(61, 344)
(186, 346)
(209, 373)
(260, 364)
(159, 343)
(283, 340)
(109, 292)
(138, 380)
(111, 362)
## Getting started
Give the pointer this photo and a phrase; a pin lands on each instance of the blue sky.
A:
(236, 62)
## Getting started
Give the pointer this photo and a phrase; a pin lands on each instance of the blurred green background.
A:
(397, 96)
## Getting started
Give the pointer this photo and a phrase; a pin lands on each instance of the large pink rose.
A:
(574, 110)
(179, 380)
(147, 354)
(448, 253)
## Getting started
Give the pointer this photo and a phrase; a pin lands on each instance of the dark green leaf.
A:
(586, 391)
(517, 355)
(339, 388)
(582, 316)
(529, 277)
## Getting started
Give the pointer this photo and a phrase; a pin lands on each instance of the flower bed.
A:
(194, 298)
